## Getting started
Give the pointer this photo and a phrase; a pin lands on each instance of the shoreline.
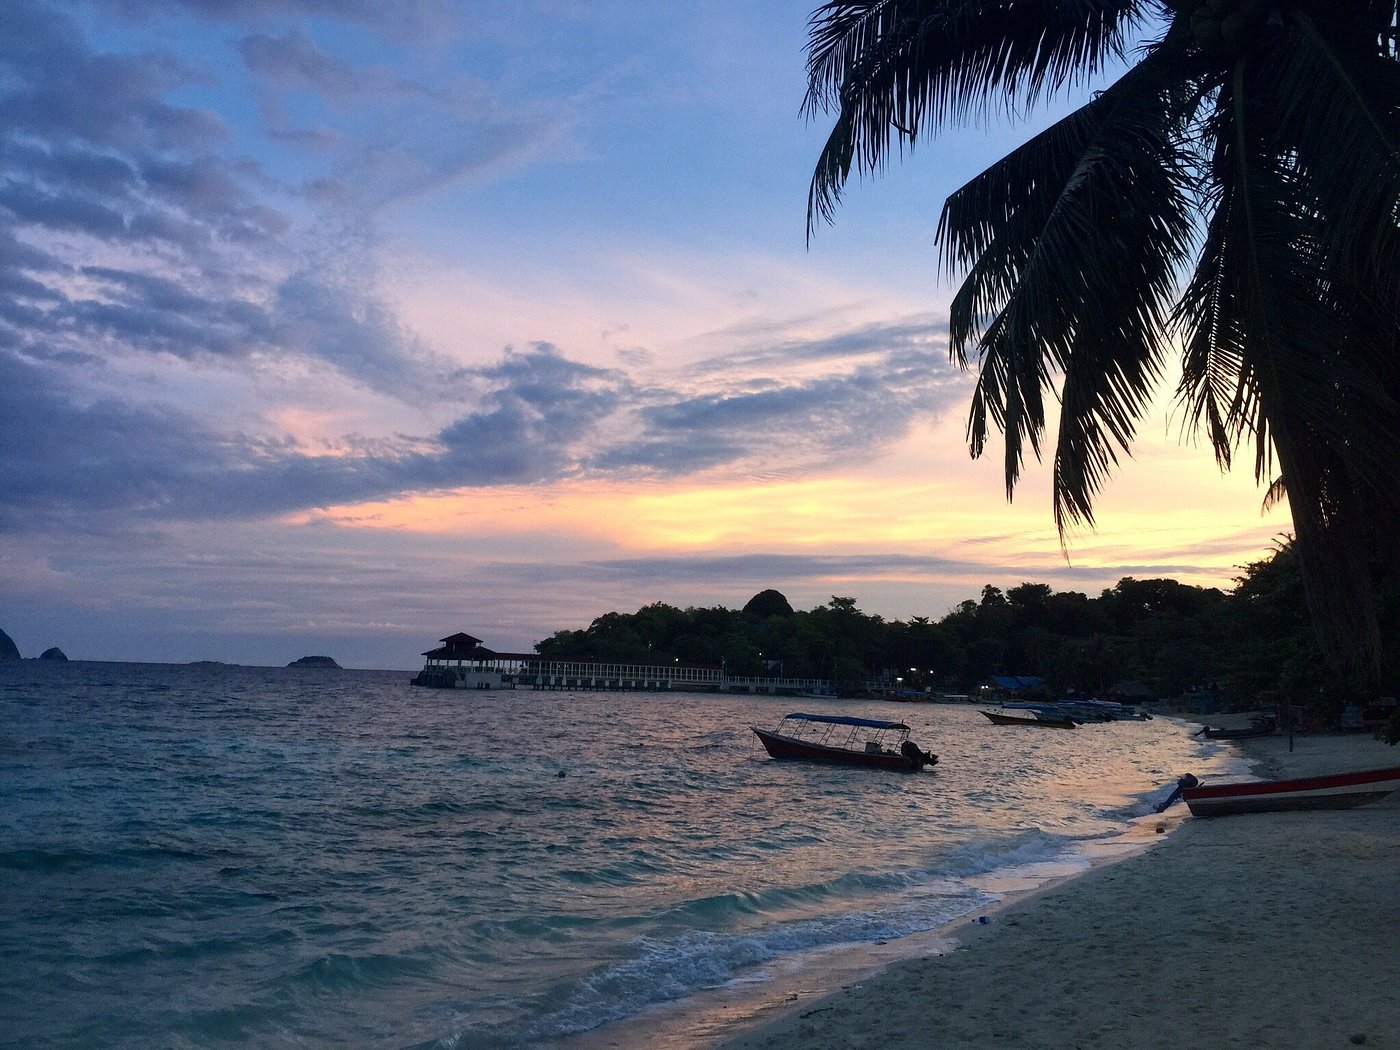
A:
(724, 1016)
(790, 983)
(1273, 929)
(1266, 930)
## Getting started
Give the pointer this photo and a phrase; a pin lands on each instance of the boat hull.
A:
(1211, 733)
(787, 747)
(999, 719)
(1336, 791)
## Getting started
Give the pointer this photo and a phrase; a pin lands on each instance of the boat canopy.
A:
(846, 720)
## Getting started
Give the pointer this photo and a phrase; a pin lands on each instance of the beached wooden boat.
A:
(1334, 791)
(1258, 727)
(846, 741)
(1045, 720)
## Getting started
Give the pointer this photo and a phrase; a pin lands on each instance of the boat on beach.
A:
(1262, 726)
(1333, 791)
(845, 740)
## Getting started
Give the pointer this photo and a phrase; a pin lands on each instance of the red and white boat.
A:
(1334, 791)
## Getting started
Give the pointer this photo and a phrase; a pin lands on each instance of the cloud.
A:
(59, 90)
(137, 239)
(878, 381)
(125, 233)
(387, 136)
(63, 459)
(294, 60)
(771, 347)
(404, 20)
(357, 336)
(537, 416)
(130, 234)
(129, 229)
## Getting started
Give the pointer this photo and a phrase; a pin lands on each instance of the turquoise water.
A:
(226, 856)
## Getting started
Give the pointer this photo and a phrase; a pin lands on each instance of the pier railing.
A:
(523, 671)
(578, 674)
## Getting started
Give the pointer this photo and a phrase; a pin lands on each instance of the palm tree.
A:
(1232, 195)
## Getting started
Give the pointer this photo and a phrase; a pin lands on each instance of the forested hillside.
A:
(1253, 644)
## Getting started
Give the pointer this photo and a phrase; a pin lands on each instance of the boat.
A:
(1334, 791)
(845, 740)
(1044, 719)
(1257, 727)
(1102, 711)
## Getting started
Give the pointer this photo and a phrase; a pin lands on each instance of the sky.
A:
(333, 327)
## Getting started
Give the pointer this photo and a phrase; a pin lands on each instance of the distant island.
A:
(314, 661)
(10, 651)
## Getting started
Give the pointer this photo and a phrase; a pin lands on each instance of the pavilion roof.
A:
(460, 646)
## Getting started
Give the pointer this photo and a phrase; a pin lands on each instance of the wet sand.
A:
(1270, 930)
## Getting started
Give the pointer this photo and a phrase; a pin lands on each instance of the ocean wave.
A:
(70, 858)
(342, 972)
(676, 968)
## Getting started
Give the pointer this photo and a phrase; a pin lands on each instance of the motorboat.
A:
(1334, 791)
(1045, 718)
(845, 740)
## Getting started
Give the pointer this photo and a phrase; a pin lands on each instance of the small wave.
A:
(612, 875)
(342, 972)
(45, 859)
(779, 900)
(40, 858)
(669, 970)
(991, 854)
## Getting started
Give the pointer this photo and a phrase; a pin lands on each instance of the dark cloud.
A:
(197, 261)
(538, 417)
(62, 458)
(59, 90)
(160, 314)
(354, 334)
(95, 163)
(130, 229)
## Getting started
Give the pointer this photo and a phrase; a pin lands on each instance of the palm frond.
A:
(896, 67)
(1215, 389)
(1305, 387)
(1073, 242)
(1334, 108)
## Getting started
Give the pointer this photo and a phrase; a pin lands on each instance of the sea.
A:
(225, 856)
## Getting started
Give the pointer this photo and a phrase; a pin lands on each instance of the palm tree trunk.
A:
(1334, 548)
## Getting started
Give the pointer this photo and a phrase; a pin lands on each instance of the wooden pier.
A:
(462, 662)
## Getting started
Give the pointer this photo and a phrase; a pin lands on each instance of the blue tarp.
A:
(845, 720)
(1011, 681)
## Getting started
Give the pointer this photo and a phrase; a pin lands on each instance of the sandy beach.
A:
(1271, 930)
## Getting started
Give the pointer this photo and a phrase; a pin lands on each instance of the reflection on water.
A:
(334, 858)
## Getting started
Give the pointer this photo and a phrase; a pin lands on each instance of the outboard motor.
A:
(918, 759)
(1187, 780)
